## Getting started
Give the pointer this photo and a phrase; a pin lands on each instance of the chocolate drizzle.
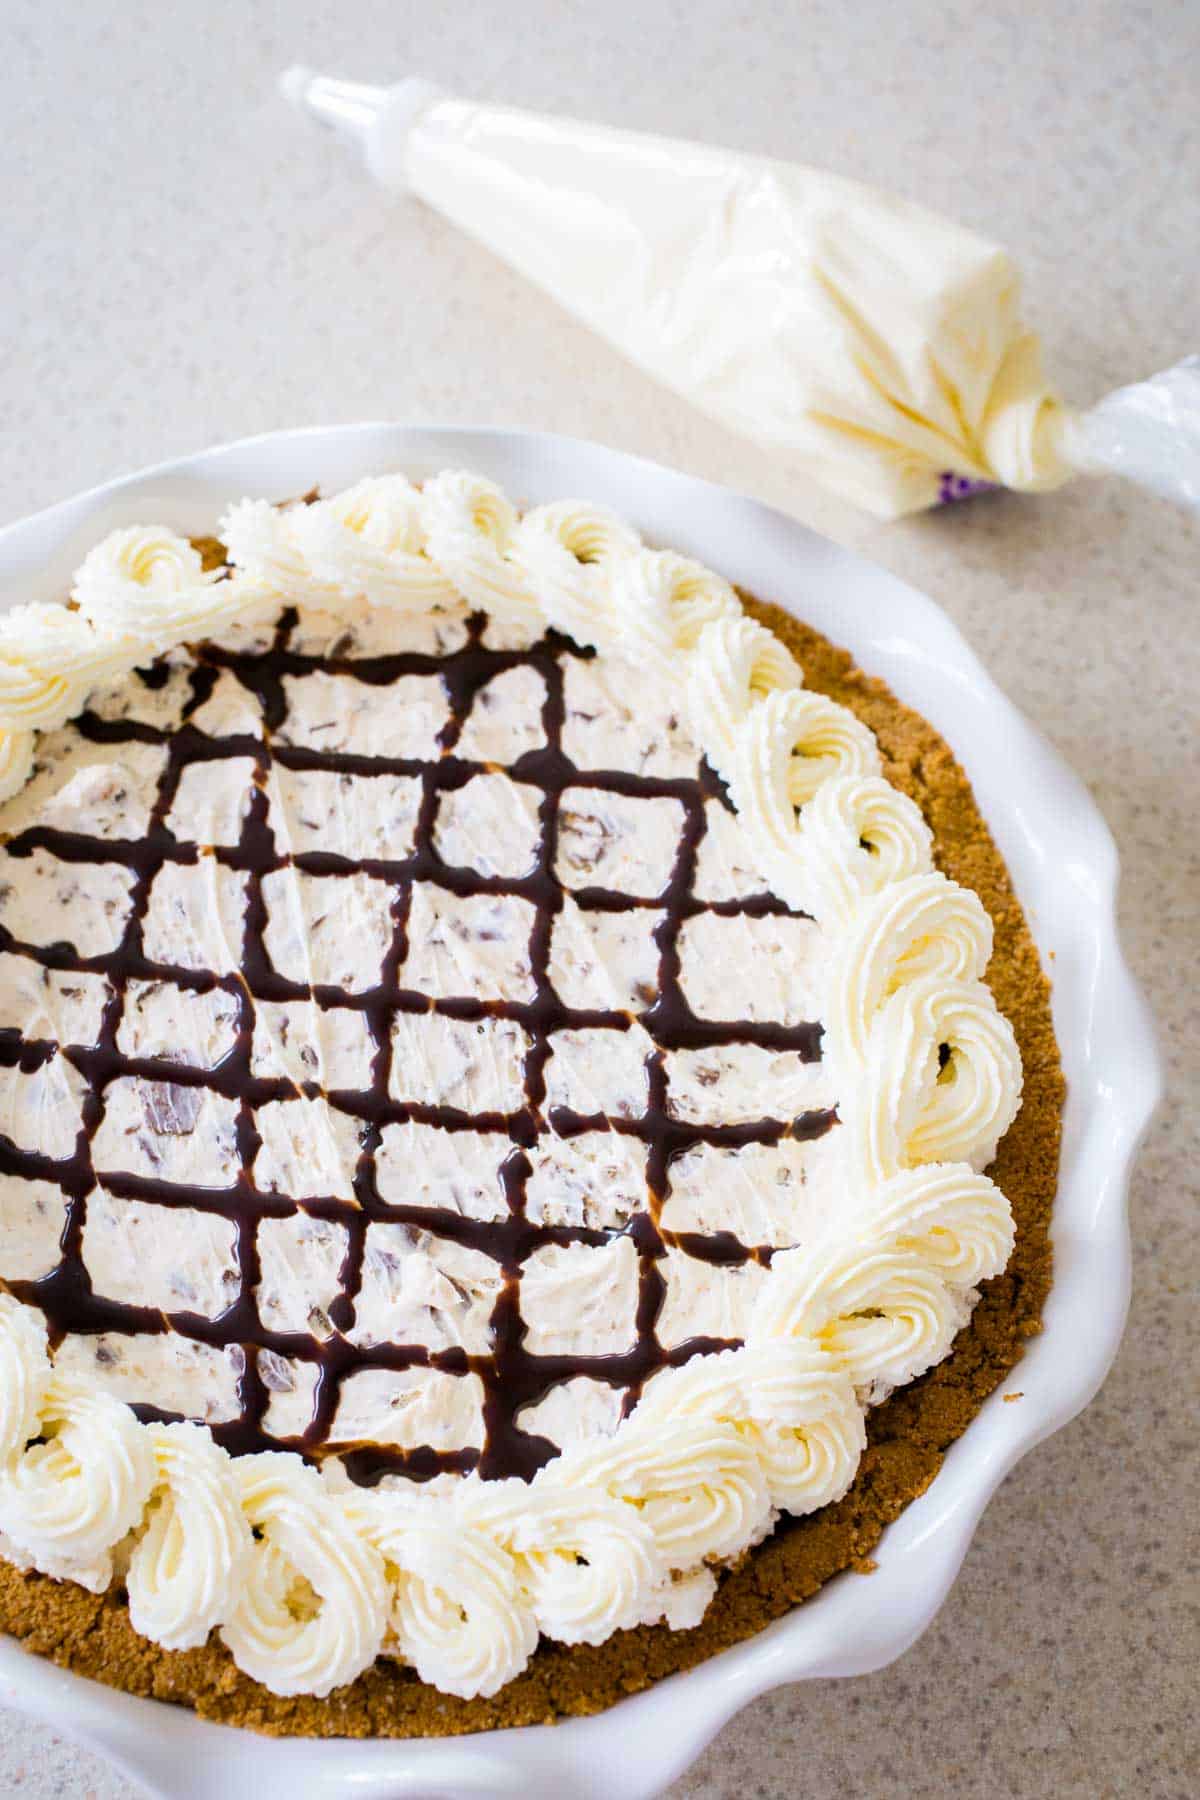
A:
(512, 1377)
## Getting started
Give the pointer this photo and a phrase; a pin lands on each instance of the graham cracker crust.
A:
(907, 1436)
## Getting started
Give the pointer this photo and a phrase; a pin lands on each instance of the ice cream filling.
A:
(402, 1056)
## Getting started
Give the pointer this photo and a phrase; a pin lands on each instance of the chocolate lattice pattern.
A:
(511, 1230)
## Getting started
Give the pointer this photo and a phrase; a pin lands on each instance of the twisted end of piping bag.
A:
(879, 348)
(1148, 432)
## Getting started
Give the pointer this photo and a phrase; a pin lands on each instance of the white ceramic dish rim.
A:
(1064, 865)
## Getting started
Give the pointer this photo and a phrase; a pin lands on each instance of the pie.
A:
(496, 1084)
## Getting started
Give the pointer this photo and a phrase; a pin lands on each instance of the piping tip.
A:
(349, 108)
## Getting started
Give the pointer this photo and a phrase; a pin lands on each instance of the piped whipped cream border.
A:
(308, 1582)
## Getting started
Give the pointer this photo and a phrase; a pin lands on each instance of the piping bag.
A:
(877, 347)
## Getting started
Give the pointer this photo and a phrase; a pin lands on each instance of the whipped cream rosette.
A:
(877, 347)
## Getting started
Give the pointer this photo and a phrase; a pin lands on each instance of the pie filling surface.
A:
(491, 1086)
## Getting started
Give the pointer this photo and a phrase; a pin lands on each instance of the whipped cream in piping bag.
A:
(878, 347)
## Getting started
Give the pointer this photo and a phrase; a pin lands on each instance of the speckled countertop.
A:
(185, 264)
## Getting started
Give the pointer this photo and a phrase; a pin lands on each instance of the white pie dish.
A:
(1064, 866)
